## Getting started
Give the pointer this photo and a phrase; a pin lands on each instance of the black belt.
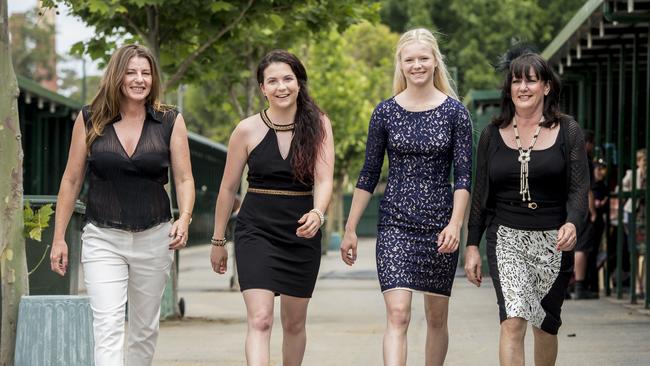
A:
(531, 204)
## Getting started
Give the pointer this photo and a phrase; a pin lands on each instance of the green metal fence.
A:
(603, 55)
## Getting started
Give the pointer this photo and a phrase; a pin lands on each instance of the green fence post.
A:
(620, 237)
(633, 146)
(647, 168)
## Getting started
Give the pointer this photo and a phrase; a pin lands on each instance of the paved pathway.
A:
(346, 321)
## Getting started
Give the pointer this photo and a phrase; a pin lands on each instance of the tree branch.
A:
(188, 61)
(133, 26)
(235, 101)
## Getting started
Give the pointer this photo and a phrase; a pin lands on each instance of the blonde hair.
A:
(105, 106)
(441, 78)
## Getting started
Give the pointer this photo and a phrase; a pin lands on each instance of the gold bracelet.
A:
(218, 242)
(320, 215)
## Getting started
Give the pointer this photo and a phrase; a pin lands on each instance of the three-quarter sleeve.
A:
(375, 149)
(477, 214)
(462, 146)
(577, 198)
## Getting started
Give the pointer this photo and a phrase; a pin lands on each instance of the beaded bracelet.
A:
(320, 215)
(218, 242)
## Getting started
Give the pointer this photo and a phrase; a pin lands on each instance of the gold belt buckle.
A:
(532, 205)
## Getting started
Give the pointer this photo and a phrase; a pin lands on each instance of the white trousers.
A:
(118, 264)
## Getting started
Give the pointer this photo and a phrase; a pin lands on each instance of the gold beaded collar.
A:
(273, 126)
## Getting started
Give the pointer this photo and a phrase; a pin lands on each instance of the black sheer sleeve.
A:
(578, 190)
(375, 150)
(477, 214)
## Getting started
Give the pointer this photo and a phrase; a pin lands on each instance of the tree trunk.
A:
(13, 264)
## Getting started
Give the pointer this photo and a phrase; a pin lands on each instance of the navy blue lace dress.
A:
(422, 147)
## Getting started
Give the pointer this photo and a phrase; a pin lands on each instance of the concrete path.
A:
(346, 322)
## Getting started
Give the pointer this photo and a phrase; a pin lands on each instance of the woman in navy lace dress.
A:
(426, 131)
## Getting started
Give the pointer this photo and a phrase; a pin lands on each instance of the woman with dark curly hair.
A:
(289, 150)
(530, 205)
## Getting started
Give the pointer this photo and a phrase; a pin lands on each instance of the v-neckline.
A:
(277, 144)
(137, 144)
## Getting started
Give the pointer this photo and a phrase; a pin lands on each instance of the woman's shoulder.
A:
(249, 124)
(386, 106)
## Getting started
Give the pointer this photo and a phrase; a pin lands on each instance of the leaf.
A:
(218, 6)
(35, 233)
(44, 214)
(28, 213)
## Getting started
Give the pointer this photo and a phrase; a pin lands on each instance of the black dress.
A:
(268, 252)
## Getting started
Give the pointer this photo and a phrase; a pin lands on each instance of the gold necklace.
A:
(273, 126)
(524, 158)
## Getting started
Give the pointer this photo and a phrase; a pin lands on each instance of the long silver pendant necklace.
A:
(524, 159)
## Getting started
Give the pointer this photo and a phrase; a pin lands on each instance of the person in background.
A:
(586, 248)
(638, 214)
(128, 141)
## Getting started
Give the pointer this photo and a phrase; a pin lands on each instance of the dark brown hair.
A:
(520, 68)
(105, 106)
(308, 133)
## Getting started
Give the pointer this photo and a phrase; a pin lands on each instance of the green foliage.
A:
(350, 73)
(32, 51)
(194, 39)
(36, 222)
(474, 33)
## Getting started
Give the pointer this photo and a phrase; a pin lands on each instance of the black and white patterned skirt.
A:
(530, 276)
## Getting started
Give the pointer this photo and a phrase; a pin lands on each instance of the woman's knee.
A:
(514, 328)
(293, 325)
(436, 320)
(261, 321)
(399, 315)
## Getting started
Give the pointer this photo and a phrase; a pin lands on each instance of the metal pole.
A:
(608, 158)
(620, 237)
(598, 153)
(647, 169)
(633, 136)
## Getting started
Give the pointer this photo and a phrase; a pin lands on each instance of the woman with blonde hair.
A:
(128, 140)
(425, 130)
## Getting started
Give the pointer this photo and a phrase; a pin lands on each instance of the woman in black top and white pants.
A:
(530, 196)
(128, 141)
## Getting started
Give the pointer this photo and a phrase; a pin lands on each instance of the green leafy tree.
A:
(191, 37)
(32, 49)
(13, 264)
(474, 33)
(350, 73)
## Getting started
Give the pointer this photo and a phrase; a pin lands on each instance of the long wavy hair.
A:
(105, 106)
(308, 133)
(441, 78)
(518, 64)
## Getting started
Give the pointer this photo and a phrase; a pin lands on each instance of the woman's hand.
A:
(310, 225)
(473, 265)
(349, 247)
(178, 233)
(449, 238)
(566, 237)
(59, 257)
(219, 259)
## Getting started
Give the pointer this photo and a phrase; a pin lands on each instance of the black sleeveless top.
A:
(127, 192)
(268, 170)
(546, 179)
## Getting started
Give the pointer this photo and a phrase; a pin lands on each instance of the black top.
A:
(268, 170)
(574, 192)
(127, 192)
(546, 172)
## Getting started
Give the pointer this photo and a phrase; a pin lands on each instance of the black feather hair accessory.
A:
(516, 50)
